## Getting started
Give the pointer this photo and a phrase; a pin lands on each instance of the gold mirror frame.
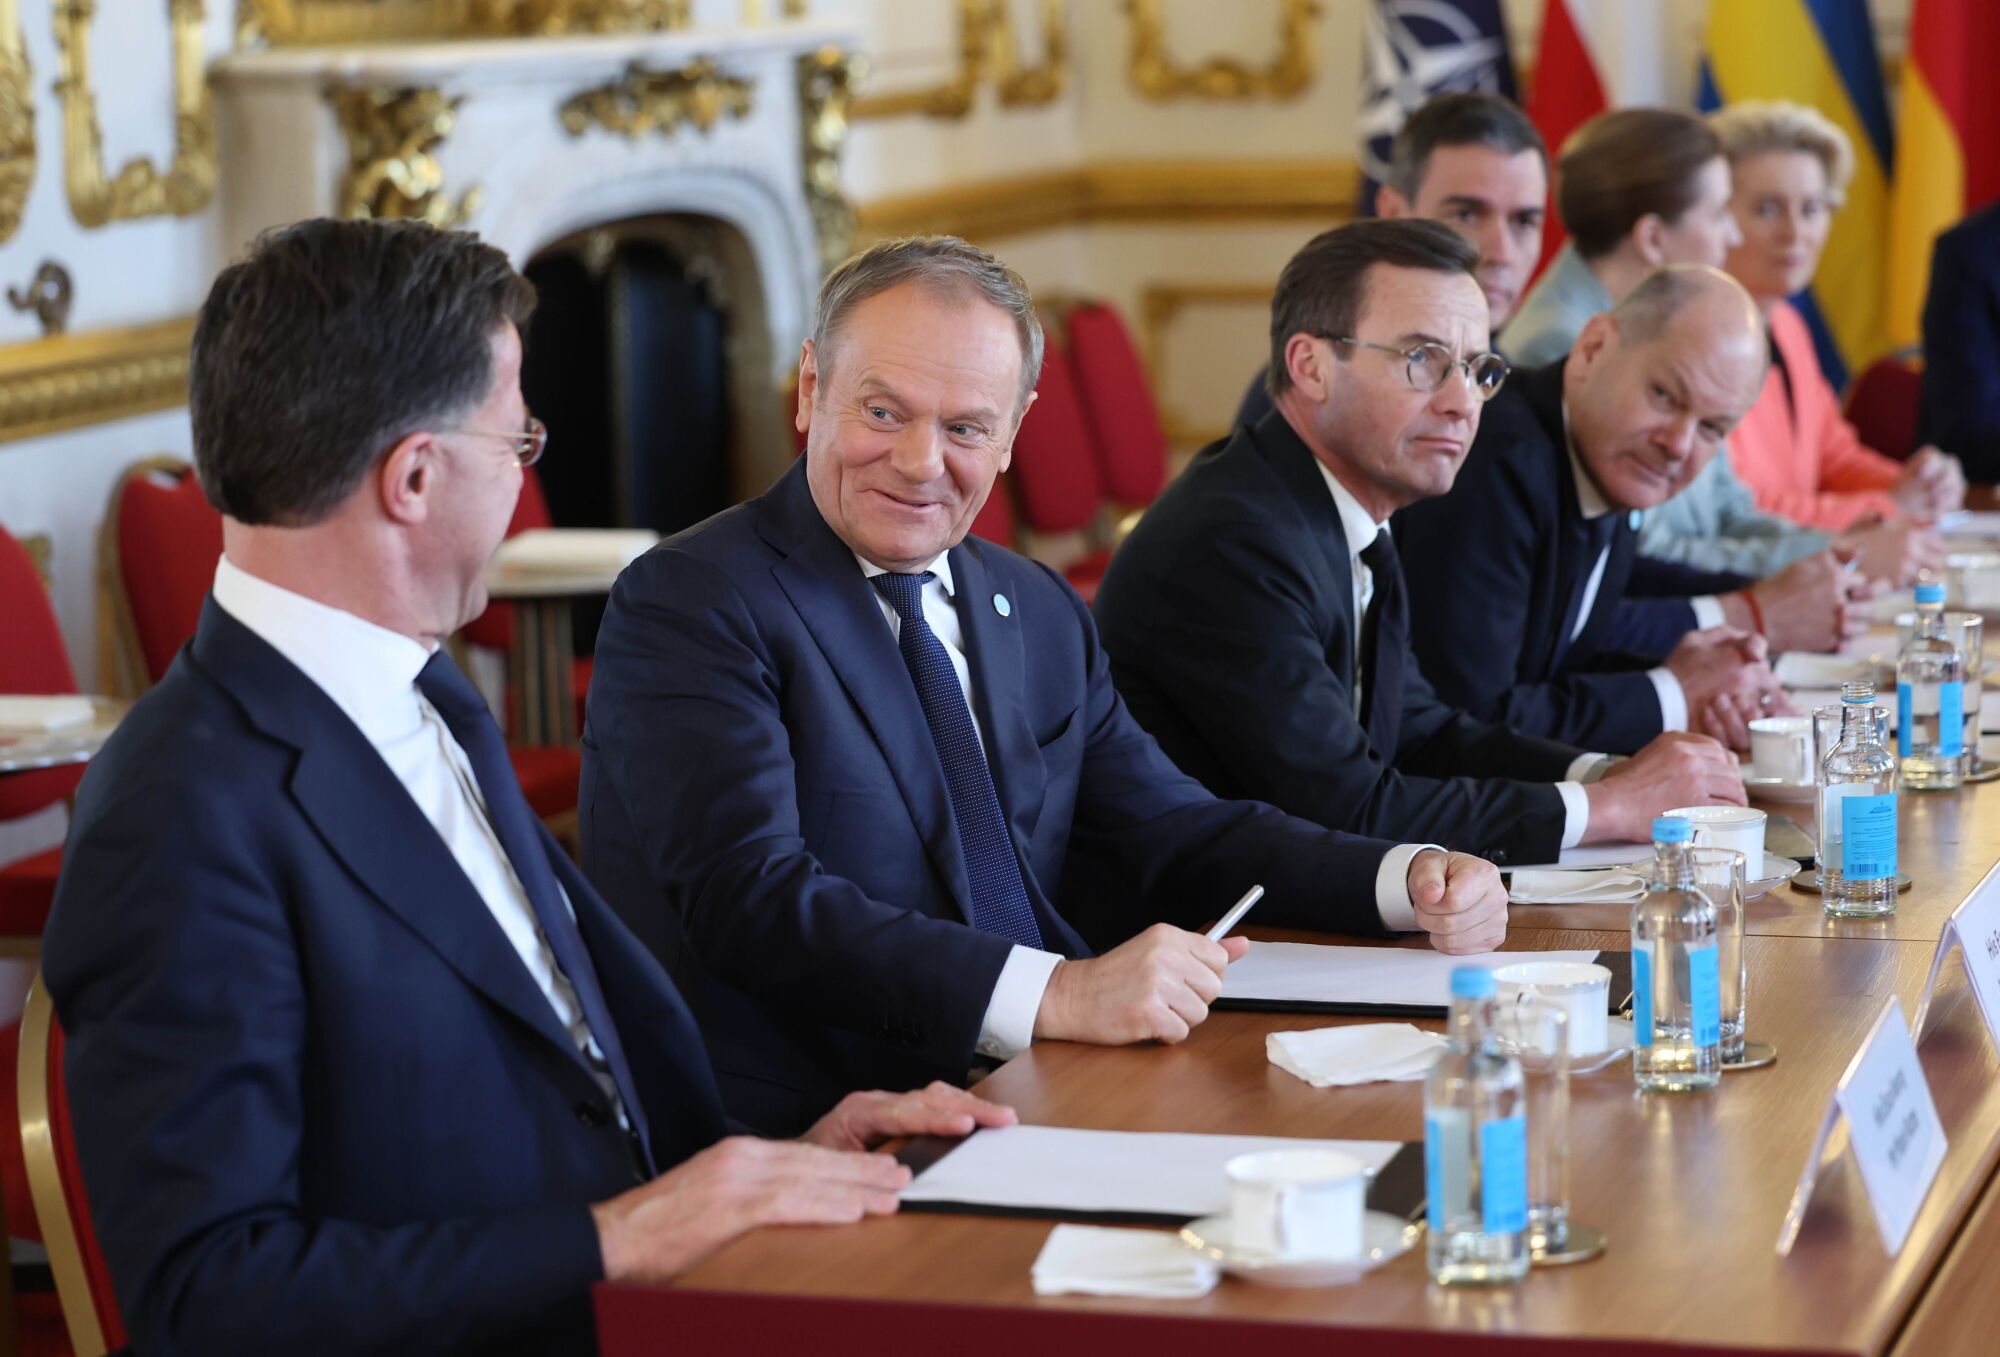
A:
(139, 190)
(300, 23)
(1156, 75)
(17, 120)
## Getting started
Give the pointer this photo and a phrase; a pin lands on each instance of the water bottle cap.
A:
(1859, 693)
(1472, 982)
(1672, 829)
(1930, 593)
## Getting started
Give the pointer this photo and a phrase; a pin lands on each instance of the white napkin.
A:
(1606, 886)
(42, 714)
(1330, 1057)
(1092, 1261)
(541, 551)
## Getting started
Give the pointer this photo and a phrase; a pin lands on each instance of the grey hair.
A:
(1762, 126)
(945, 266)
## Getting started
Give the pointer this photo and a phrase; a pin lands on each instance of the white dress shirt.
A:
(371, 675)
(1359, 527)
(1008, 1027)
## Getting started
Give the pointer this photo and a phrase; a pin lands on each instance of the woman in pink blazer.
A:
(1799, 456)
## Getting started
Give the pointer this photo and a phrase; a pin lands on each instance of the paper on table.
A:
(42, 712)
(1090, 1260)
(1797, 669)
(1055, 1168)
(1603, 886)
(1305, 972)
(1969, 523)
(1592, 855)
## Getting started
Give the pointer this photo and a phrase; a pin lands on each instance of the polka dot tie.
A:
(999, 898)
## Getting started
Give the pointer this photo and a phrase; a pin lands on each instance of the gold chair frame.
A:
(38, 1148)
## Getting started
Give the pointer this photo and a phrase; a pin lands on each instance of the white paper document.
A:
(1055, 1168)
(1797, 669)
(1305, 972)
(1969, 523)
(1591, 855)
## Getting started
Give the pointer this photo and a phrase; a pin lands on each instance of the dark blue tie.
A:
(999, 898)
(465, 713)
(1385, 632)
(1598, 533)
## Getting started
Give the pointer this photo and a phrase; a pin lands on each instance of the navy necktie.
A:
(1384, 634)
(999, 897)
(1598, 533)
(471, 724)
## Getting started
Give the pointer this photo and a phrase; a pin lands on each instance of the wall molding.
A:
(1134, 190)
(69, 381)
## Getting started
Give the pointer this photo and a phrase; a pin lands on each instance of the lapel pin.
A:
(1002, 606)
(1633, 518)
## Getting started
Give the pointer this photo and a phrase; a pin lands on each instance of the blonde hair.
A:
(1764, 126)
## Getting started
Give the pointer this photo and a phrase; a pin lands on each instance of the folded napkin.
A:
(1092, 1261)
(1329, 1057)
(542, 551)
(42, 714)
(1547, 886)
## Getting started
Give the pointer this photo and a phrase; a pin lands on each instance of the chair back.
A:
(1055, 466)
(156, 562)
(83, 1279)
(33, 660)
(1117, 399)
(1882, 407)
(494, 628)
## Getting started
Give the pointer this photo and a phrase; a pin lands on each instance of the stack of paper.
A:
(42, 715)
(1387, 977)
(1332, 1057)
(1090, 1260)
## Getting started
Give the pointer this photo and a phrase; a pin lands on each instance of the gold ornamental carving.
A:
(139, 189)
(299, 23)
(17, 121)
(826, 86)
(1155, 73)
(392, 170)
(68, 381)
(642, 102)
(988, 48)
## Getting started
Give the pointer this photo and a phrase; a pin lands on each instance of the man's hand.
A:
(1677, 769)
(1726, 663)
(1807, 605)
(861, 1121)
(1895, 551)
(1931, 483)
(1460, 901)
(656, 1232)
(1156, 987)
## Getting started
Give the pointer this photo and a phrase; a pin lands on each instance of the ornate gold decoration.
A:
(65, 382)
(296, 23)
(987, 46)
(140, 189)
(643, 101)
(391, 171)
(1159, 305)
(1155, 74)
(826, 85)
(17, 120)
(48, 294)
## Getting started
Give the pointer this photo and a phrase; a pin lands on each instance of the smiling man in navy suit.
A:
(358, 1061)
(864, 783)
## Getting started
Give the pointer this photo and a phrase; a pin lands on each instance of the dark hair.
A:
(1468, 118)
(1627, 164)
(1325, 285)
(328, 342)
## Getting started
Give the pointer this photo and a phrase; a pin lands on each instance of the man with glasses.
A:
(1257, 620)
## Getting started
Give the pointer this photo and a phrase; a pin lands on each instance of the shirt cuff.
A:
(1708, 612)
(1588, 768)
(1009, 1025)
(1673, 702)
(1392, 887)
(1576, 812)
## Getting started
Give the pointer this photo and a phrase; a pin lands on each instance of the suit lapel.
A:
(1294, 464)
(1574, 540)
(997, 657)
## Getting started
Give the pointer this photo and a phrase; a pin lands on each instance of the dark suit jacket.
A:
(763, 802)
(1961, 390)
(1228, 617)
(1493, 567)
(320, 1104)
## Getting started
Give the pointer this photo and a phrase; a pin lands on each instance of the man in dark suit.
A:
(864, 783)
(357, 1059)
(1961, 391)
(1515, 573)
(1256, 620)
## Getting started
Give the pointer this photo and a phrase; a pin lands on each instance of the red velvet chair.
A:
(494, 628)
(1117, 398)
(1882, 407)
(1055, 469)
(83, 1280)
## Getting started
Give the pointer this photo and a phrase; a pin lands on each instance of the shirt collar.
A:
(368, 671)
(941, 567)
(1356, 523)
(1588, 497)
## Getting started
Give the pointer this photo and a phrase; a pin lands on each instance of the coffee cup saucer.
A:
(1618, 1037)
(1383, 1237)
(1780, 789)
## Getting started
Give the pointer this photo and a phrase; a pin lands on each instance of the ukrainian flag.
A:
(1822, 53)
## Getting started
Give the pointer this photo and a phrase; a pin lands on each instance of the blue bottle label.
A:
(1503, 1175)
(1642, 995)
(1434, 1173)
(1705, 993)
(1902, 720)
(1868, 836)
(1951, 720)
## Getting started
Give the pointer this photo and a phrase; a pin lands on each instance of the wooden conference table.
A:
(1690, 1190)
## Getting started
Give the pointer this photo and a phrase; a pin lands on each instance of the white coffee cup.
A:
(1298, 1203)
(1582, 989)
(1738, 827)
(1781, 747)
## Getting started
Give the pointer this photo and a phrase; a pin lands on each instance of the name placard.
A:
(1892, 1127)
(1974, 931)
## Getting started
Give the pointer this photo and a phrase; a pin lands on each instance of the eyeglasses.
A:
(527, 447)
(1427, 365)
